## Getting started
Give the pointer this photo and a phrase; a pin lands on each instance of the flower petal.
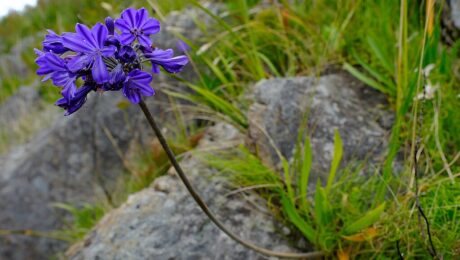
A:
(99, 33)
(139, 75)
(62, 79)
(99, 71)
(50, 63)
(122, 25)
(86, 35)
(141, 17)
(175, 64)
(72, 104)
(151, 26)
(53, 43)
(109, 23)
(129, 15)
(144, 40)
(136, 84)
(108, 51)
(131, 94)
(159, 54)
(75, 43)
(127, 38)
(38, 52)
(78, 62)
(155, 68)
(146, 90)
(117, 75)
(68, 91)
(165, 59)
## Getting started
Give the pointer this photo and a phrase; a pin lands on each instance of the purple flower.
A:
(53, 43)
(137, 84)
(90, 45)
(110, 25)
(76, 102)
(117, 79)
(112, 38)
(137, 25)
(53, 67)
(105, 60)
(126, 54)
(166, 59)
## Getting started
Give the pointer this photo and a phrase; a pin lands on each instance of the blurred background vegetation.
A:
(384, 43)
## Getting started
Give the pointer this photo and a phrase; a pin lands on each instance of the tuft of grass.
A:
(318, 217)
(84, 218)
(343, 219)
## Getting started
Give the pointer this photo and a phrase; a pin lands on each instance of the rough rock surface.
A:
(68, 162)
(163, 222)
(75, 159)
(335, 101)
(450, 22)
(455, 12)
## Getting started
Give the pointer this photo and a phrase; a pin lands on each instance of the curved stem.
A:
(205, 207)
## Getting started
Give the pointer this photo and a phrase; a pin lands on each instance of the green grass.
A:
(84, 218)
(305, 38)
(343, 219)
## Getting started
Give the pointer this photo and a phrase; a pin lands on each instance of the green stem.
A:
(205, 207)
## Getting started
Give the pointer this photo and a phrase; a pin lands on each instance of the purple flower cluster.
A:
(105, 59)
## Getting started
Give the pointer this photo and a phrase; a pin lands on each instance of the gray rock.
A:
(175, 24)
(76, 159)
(163, 222)
(455, 12)
(330, 102)
(450, 22)
(70, 162)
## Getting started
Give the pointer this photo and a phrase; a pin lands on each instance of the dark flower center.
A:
(137, 32)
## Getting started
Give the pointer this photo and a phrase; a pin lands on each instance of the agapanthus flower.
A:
(105, 59)
(136, 25)
(55, 68)
(76, 102)
(53, 43)
(166, 59)
(91, 46)
(136, 85)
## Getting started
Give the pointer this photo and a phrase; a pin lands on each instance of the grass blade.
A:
(338, 150)
(297, 220)
(305, 174)
(370, 218)
(364, 78)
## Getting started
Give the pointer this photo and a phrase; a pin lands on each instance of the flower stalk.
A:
(204, 207)
(106, 60)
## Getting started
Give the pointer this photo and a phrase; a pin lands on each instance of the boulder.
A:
(164, 222)
(327, 103)
(73, 161)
